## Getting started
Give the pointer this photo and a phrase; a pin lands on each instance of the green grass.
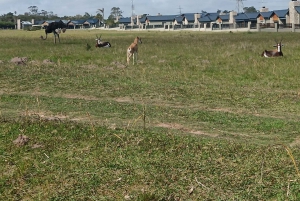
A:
(218, 117)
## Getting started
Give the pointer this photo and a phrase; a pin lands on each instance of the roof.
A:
(49, 21)
(143, 19)
(224, 17)
(76, 22)
(267, 14)
(26, 23)
(208, 17)
(241, 17)
(161, 18)
(189, 17)
(39, 22)
(92, 21)
(297, 8)
(253, 15)
(281, 13)
(179, 19)
(204, 19)
(65, 21)
(213, 16)
(125, 20)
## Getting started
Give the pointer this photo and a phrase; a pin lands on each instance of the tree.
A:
(33, 9)
(250, 9)
(116, 13)
(87, 15)
(100, 15)
(44, 13)
(9, 17)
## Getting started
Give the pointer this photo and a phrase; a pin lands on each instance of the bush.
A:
(7, 25)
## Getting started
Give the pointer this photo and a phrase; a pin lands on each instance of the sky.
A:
(151, 7)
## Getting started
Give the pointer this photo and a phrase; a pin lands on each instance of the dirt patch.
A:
(43, 115)
(222, 110)
(295, 143)
(124, 100)
(21, 140)
(182, 128)
(90, 66)
(48, 62)
(36, 146)
(172, 126)
(19, 60)
(118, 64)
(73, 96)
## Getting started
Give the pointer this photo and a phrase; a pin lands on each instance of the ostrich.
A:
(56, 28)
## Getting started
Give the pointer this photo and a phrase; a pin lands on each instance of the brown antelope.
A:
(132, 50)
(273, 53)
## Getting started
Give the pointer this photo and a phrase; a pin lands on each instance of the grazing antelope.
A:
(132, 50)
(273, 53)
(99, 43)
(56, 28)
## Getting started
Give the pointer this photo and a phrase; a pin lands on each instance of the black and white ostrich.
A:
(100, 43)
(56, 28)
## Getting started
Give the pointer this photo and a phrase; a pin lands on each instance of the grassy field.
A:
(202, 116)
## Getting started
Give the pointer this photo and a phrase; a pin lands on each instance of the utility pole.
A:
(179, 10)
(132, 9)
(239, 5)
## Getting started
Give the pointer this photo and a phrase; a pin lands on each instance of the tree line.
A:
(9, 20)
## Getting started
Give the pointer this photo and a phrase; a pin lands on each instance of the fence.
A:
(253, 26)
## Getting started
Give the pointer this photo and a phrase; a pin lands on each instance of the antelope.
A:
(99, 43)
(273, 53)
(132, 50)
(56, 28)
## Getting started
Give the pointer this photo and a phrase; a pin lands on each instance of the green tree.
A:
(250, 9)
(44, 13)
(116, 13)
(87, 15)
(33, 10)
(100, 15)
(9, 17)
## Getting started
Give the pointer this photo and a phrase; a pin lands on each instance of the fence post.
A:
(293, 27)
(249, 26)
(276, 27)
(258, 27)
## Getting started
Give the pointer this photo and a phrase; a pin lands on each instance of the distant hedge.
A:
(7, 25)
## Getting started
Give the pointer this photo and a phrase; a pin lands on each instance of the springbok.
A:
(56, 28)
(132, 50)
(273, 53)
(99, 43)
